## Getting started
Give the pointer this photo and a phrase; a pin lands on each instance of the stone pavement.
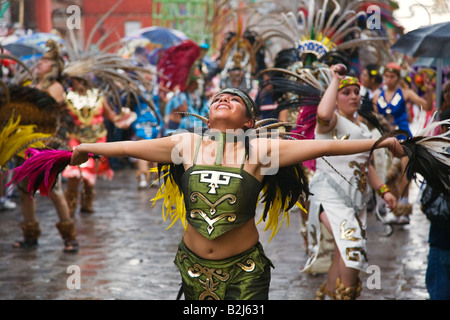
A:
(126, 253)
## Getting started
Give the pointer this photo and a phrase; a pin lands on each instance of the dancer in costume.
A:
(88, 107)
(391, 102)
(43, 107)
(219, 177)
(102, 82)
(337, 213)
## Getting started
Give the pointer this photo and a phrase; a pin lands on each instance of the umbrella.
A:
(39, 39)
(5, 61)
(164, 36)
(24, 51)
(431, 41)
(430, 62)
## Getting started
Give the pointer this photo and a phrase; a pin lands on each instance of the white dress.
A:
(343, 200)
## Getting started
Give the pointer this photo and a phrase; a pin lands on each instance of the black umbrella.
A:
(431, 41)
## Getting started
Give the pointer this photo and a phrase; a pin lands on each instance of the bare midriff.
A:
(227, 245)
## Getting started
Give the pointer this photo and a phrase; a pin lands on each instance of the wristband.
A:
(382, 190)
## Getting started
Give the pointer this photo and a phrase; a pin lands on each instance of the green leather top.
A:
(217, 198)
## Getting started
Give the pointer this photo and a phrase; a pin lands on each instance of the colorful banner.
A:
(193, 17)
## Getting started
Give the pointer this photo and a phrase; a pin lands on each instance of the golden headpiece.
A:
(349, 81)
(54, 54)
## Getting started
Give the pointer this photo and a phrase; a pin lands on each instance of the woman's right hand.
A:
(78, 156)
(338, 71)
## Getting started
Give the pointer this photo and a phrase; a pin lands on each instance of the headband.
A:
(348, 81)
(249, 104)
(393, 67)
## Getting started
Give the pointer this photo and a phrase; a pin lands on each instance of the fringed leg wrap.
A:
(347, 293)
(87, 197)
(68, 234)
(402, 210)
(31, 232)
(72, 201)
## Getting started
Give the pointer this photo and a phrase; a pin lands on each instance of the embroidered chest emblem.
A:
(360, 173)
(215, 178)
(343, 137)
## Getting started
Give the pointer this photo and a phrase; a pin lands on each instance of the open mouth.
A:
(222, 106)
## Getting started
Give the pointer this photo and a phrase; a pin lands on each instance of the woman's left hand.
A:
(390, 200)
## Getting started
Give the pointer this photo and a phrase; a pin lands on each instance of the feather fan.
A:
(427, 155)
(41, 167)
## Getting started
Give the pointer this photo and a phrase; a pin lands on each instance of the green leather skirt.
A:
(242, 277)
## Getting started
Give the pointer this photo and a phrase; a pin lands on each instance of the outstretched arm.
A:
(295, 151)
(162, 150)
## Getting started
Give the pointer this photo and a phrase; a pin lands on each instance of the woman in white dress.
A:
(340, 185)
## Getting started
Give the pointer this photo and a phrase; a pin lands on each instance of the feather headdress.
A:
(176, 65)
(34, 106)
(114, 75)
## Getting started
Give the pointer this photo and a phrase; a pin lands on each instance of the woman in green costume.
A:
(219, 175)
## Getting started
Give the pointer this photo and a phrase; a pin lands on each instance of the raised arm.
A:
(162, 150)
(326, 117)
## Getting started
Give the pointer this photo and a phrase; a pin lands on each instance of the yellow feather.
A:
(277, 215)
(15, 137)
(173, 201)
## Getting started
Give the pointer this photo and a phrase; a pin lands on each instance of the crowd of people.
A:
(231, 102)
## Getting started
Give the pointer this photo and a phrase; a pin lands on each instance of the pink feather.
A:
(41, 167)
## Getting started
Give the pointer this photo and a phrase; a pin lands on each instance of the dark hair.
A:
(250, 106)
(139, 50)
(445, 115)
(374, 73)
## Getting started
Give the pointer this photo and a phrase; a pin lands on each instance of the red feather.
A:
(176, 63)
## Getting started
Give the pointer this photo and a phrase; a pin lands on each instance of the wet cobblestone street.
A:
(126, 253)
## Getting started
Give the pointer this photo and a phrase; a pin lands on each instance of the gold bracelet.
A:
(322, 122)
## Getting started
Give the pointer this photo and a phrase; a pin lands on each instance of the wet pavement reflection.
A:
(126, 253)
